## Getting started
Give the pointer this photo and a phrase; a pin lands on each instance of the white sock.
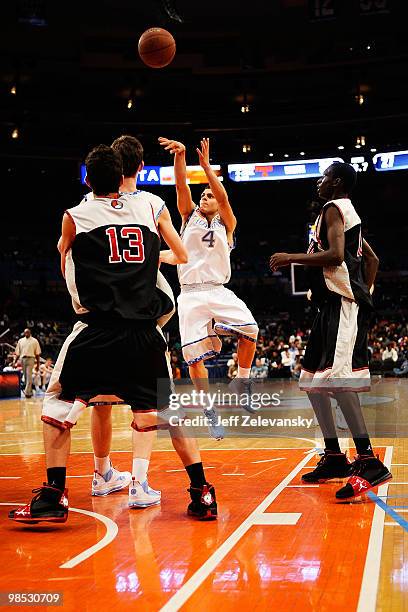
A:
(139, 469)
(243, 372)
(102, 465)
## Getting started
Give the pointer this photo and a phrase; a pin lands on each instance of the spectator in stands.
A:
(28, 350)
(287, 361)
(232, 366)
(403, 370)
(259, 370)
(45, 373)
(297, 367)
(390, 353)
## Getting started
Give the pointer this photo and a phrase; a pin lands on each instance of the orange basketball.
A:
(156, 47)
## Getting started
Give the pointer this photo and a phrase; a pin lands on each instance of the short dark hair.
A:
(131, 151)
(346, 173)
(104, 170)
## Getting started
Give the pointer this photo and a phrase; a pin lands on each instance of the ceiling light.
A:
(14, 133)
(340, 147)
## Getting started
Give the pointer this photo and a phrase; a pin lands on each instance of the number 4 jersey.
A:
(208, 251)
(111, 268)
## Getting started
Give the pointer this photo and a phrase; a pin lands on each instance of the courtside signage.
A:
(164, 175)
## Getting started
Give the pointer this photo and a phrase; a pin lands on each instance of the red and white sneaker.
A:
(203, 504)
(48, 505)
(368, 472)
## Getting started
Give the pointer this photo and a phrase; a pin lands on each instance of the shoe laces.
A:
(39, 491)
(362, 461)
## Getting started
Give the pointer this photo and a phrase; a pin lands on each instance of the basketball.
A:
(156, 47)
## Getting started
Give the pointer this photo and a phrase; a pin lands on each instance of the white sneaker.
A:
(142, 496)
(117, 482)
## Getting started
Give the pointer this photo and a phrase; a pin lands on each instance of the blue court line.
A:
(389, 510)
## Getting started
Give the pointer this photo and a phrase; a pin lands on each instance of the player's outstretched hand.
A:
(173, 146)
(279, 260)
(204, 153)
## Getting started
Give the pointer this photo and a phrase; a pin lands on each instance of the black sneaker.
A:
(368, 472)
(203, 503)
(331, 465)
(48, 505)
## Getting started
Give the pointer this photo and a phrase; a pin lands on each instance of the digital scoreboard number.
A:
(394, 160)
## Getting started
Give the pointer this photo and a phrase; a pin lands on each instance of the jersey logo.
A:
(116, 204)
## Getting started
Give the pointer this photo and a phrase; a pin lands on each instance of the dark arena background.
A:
(280, 88)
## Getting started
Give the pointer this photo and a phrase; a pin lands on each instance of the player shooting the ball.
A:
(207, 234)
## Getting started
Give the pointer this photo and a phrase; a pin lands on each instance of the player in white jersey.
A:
(208, 235)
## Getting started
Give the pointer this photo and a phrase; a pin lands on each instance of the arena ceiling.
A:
(313, 74)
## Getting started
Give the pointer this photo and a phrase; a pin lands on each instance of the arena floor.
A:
(277, 545)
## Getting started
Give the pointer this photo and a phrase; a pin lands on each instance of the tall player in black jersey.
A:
(110, 252)
(343, 272)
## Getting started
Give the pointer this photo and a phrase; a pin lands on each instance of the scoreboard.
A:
(397, 160)
(305, 168)
(272, 171)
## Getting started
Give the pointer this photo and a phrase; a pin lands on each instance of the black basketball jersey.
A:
(348, 278)
(111, 268)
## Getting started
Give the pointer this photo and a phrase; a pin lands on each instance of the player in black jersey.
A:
(343, 271)
(110, 253)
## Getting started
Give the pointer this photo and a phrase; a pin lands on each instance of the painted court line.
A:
(111, 533)
(10, 477)
(189, 587)
(235, 474)
(389, 510)
(369, 584)
(162, 450)
(277, 518)
(207, 467)
(268, 460)
(308, 486)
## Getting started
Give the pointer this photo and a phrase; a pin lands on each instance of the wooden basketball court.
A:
(277, 545)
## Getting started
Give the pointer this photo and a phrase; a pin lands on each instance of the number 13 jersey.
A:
(111, 268)
(208, 251)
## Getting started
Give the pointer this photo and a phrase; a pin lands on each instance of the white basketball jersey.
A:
(208, 251)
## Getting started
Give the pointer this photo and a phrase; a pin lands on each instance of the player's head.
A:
(131, 151)
(104, 172)
(208, 203)
(337, 180)
(27, 332)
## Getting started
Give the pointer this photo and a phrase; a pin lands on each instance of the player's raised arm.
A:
(178, 253)
(224, 207)
(67, 238)
(185, 202)
(371, 263)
